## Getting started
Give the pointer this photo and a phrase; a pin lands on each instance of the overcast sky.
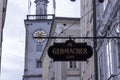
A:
(14, 34)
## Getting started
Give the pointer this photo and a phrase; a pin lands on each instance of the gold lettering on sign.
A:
(70, 57)
(85, 51)
(69, 51)
(66, 50)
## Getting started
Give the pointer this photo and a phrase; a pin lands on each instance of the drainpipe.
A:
(95, 40)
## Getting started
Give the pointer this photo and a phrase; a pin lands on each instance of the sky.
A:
(13, 47)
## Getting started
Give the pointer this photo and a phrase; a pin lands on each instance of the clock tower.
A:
(37, 26)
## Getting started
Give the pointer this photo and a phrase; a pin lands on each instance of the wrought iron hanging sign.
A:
(70, 51)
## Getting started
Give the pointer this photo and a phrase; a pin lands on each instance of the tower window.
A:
(40, 10)
(39, 64)
(39, 48)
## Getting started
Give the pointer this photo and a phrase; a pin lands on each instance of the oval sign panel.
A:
(70, 51)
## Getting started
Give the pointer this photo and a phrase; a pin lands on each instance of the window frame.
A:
(39, 48)
(38, 64)
(72, 65)
(109, 58)
(101, 66)
(118, 50)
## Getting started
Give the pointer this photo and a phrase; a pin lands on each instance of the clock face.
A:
(38, 34)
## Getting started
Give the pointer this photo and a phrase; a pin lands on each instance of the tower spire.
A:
(29, 6)
(54, 6)
(41, 7)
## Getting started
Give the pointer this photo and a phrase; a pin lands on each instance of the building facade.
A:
(3, 8)
(61, 70)
(108, 26)
(108, 18)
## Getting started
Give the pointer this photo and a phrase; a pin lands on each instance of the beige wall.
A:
(59, 70)
(87, 68)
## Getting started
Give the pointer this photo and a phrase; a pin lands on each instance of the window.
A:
(39, 48)
(72, 65)
(101, 66)
(41, 11)
(118, 51)
(118, 28)
(118, 43)
(109, 58)
(39, 64)
(118, 35)
(118, 22)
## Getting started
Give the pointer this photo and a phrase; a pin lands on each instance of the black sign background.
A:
(82, 51)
